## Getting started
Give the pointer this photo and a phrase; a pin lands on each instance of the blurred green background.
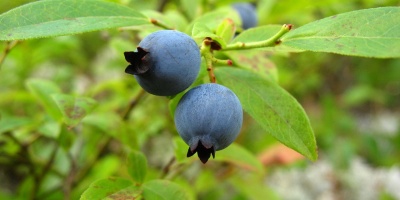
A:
(353, 104)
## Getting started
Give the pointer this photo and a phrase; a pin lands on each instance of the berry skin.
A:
(166, 62)
(247, 13)
(208, 118)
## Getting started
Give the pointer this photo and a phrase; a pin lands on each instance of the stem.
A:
(222, 62)
(24, 153)
(167, 169)
(132, 104)
(162, 5)
(160, 24)
(49, 163)
(14, 139)
(208, 56)
(174, 169)
(272, 41)
(84, 171)
(69, 180)
(6, 51)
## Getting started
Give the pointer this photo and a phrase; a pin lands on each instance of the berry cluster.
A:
(208, 117)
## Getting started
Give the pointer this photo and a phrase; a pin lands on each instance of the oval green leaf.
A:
(9, 123)
(65, 17)
(73, 109)
(42, 91)
(371, 32)
(137, 166)
(180, 150)
(105, 121)
(241, 157)
(66, 138)
(214, 18)
(164, 190)
(272, 107)
(226, 30)
(201, 31)
(256, 61)
(111, 188)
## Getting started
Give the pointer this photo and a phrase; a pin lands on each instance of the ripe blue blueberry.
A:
(166, 62)
(247, 13)
(208, 118)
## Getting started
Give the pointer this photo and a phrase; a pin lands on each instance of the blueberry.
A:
(166, 62)
(208, 118)
(247, 13)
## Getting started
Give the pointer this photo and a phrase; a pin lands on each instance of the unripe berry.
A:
(208, 118)
(166, 62)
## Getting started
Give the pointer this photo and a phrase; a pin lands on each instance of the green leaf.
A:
(172, 18)
(272, 107)
(371, 32)
(241, 157)
(109, 123)
(50, 128)
(111, 188)
(73, 109)
(226, 30)
(66, 138)
(262, 33)
(253, 188)
(258, 33)
(201, 31)
(164, 190)
(42, 90)
(9, 123)
(180, 150)
(105, 167)
(255, 60)
(65, 17)
(189, 7)
(137, 166)
(214, 18)
(177, 18)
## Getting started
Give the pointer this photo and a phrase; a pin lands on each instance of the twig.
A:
(14, 139)
(206, 51)
(6, 51)
(85, 170)
(75, 177)
(274, 40)
(222, 62)
(132, 104)
(69, 181)
(167, 168)
(160, 24)
(49, 163)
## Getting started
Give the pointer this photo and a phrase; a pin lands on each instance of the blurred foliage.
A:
(353, 104)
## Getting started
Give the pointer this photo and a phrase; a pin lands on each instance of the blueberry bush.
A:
(110, 99)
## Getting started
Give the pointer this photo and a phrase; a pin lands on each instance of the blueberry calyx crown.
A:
(202, 152)
(137, 62)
